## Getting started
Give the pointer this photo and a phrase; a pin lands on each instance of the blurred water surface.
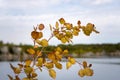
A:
(104, 69)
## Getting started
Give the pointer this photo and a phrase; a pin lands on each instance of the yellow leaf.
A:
(58, 65)
(49, 65)
(59, 49)
(90, 27)
(68, 65)
(34, 75)
(58, 55)
(61, 20)
(88, 72)
(30, 51)
(41, 26)
(25, 79)
(63, 40)
(17, 70)
(57, 25)
(55, 32)
(75, 32)
(28, 70)
(40, 62)
(71, 60)
(40, 35)
(86, 32)
(52, 73)
(28, 62)
(51, 56)
(69, 34)
(65, 51)
(36, 35)
(43, 42)
(68, 26)
(81, 73)
(84, 64)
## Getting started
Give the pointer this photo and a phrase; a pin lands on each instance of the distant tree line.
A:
(73, 48)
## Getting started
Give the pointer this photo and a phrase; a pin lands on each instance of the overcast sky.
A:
(17, 18)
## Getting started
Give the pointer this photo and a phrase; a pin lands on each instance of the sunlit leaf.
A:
(55, 32)
(36, 35)
(71, 60)
(65, 51)
(26, 78)
(90, 27)
(51, 56)
(58, 55)
(17, 70)
(81, 73)
(30, 51)
(86, 32)
(84, 64)
(42, 42)
(28, 70)
(40, 62)
(41, 26)
(63, 40)
(52, 73)
(68, 26)
(69, 34)
(75, 32)
(28, 62)
(88, 72)
(58, 65)
(57, 25)
(61, 20)
(40, 35)
(68, 65)
(58, 49)
(49, 65)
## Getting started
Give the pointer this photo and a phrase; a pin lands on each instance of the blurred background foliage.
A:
(76, 50)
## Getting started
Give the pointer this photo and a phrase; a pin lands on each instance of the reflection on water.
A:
(104, 69)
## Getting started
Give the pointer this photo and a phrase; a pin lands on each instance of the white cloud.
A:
(96, 2)
(22, 26)
(30, 3)
(106, 21)
(99, 2)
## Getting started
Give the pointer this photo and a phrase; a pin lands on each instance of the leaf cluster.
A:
(41, 59)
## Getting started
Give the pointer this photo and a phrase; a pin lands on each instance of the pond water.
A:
(104, 69)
